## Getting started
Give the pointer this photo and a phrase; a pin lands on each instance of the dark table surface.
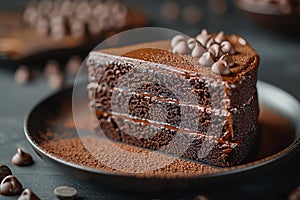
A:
(280, 60)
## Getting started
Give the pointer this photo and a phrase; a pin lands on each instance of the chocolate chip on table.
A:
(22, 75)
(65, 192)
(21, 158)
(4, 171)
(73, 65)
(52, 67)
(10, 185)
(201, 197)
(27, 194)
(56, 81)
(295, 194)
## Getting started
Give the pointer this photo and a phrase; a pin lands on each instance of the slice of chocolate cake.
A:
(190, 97)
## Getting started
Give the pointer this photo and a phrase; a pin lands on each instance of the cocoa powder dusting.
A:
(74, 151)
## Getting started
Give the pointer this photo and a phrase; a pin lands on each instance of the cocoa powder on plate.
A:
(74, 151)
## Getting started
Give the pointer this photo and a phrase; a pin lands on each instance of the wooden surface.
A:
(280, 60)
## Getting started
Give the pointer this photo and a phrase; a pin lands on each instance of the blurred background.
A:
(271, 31)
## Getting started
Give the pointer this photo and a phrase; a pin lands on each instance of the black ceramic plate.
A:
(279, 121)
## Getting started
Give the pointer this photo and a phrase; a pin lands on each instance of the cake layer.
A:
(199, 87)
(192, 145)
(180, 116)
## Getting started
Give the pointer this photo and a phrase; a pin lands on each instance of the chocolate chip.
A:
(176, 39)
(42, 26)
(242, 41)
(210, 42)
(203, 37)
(206, 59)
(228, 59)
(22, 75)
(295, 194)
(73, 65)
(52, 67)
(181, 48)
(215, 50)
(220, 37)
(21, 158)
(65, 192)
(4, 171)
(10, 185)
(220, 67)
(201, 197)
(56, 81)
(27, 194)
(196, 47)
(226, 47)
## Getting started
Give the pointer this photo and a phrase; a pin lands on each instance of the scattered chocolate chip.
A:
(27, 194)
(4, 171)
(42, 26)
(65, 192)
(196, 48)
(176, 39)
(201, 197)
(210, 42)
(215, 50)
(169, 10)
(198, 51)
(242, 41)
(22, 75)
(21, 158)
(295, 194)
(226, 47)
(55, 18)
(206, 59)
(10, 185)
(220, 37)
(228, 59)
(52, 67)
(220, 67)
(181, 48)
(191, 14)
(73, 65)
(56, 81)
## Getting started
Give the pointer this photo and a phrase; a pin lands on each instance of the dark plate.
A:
(279, 121)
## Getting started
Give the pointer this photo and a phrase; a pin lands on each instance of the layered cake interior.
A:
(190, 97)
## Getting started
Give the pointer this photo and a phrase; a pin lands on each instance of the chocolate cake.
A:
(190, 97)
